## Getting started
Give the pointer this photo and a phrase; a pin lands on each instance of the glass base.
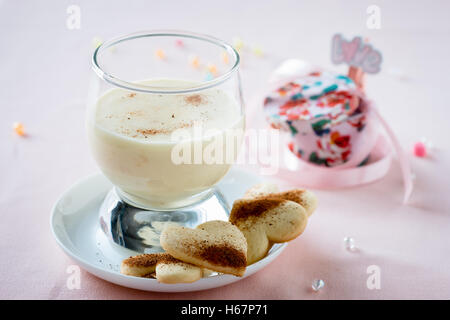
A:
(139, 229)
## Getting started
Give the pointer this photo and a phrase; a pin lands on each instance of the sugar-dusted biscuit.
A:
(266, 216)
(264, 221)
(216, 245)
(303, 197)
(163, 266)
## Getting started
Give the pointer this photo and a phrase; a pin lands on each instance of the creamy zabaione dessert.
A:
(161, 150)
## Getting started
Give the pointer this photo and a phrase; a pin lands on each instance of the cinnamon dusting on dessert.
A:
(253, 208)
(195, 99)
(168, 259)
(150, 259)
(151, 132)
(223, 255)
(292, 195)
(135, 113)
(131, 95)
(260, 204)
(143, 260)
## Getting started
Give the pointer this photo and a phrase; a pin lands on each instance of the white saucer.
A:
(74, 223)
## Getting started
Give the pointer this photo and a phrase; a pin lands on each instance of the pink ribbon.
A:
(313, 176)
(402, 158)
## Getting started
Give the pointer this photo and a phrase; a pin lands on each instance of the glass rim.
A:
(164, 90)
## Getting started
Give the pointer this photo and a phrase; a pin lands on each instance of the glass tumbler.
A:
(164, 122)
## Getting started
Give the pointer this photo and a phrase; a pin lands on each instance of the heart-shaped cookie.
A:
(163, 266)
(264, 221)
(215, 245)
(266, 217)
(303, 197)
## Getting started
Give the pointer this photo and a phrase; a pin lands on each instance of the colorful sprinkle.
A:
(212, 68)
(420, 150)
(194, 61)
(225, 58)
(209, 76)
(160, 54)
(179, 43)
(96, 42)
(19, 129)
(238, 44)
(257, 51)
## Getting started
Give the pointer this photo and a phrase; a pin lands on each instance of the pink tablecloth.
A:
(44, 81)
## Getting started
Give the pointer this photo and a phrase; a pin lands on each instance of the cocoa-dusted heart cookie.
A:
(216, 245)
(266, 217)
(162, 266)
(303, 197)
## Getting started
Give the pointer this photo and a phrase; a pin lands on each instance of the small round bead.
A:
(317, 284)
(420, 150)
